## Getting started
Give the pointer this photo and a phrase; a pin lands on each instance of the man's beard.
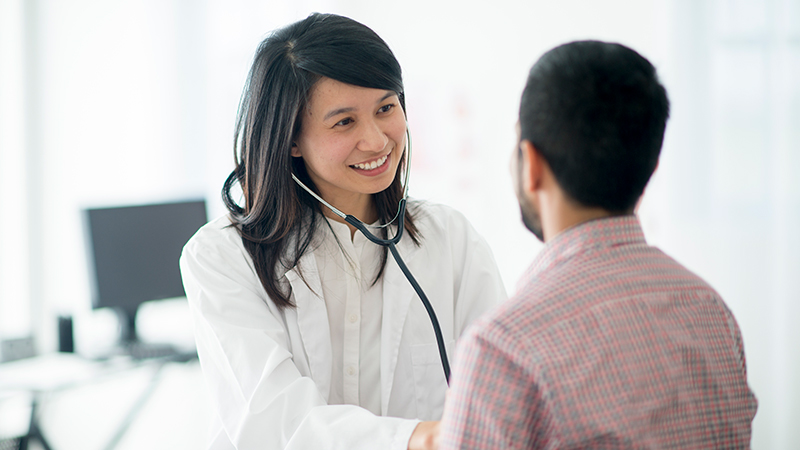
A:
(531, 219)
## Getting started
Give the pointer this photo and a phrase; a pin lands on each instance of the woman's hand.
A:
(425, 436)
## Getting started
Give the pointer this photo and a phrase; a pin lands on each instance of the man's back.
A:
(608, 343)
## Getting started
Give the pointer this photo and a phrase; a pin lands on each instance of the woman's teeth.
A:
(373, 165)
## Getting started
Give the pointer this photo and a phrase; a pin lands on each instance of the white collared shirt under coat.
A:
(269, 370)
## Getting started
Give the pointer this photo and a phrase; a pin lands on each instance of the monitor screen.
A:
(134, 251)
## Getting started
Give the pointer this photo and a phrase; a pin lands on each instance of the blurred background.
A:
(134, 101)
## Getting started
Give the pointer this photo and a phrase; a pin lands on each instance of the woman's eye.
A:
(386, 108)
(344, 122)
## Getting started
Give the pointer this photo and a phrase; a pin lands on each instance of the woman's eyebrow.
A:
(388, 94)
(350, 108)
(336, 112)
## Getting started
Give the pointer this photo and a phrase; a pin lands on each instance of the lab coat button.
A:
(351, 371)
(353, 318)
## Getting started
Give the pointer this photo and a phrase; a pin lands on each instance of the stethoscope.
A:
(391, 244)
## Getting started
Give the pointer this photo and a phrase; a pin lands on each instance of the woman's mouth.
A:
(371, 165)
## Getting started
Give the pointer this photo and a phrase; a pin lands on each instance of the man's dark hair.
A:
(596, 112)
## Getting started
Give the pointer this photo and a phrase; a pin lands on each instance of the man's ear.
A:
(532, 167)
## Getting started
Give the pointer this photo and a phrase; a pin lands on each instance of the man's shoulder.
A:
(620, 270)
(576, 285)
(518, 319)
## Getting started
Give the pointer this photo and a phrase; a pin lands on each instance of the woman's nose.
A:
(373, 137)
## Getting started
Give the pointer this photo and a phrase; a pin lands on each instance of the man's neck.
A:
(562, 213)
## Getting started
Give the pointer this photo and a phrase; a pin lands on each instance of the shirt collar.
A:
(593, 234)
(342, 231)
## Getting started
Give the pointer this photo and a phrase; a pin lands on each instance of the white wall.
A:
(136, 100)
(15, 317)
(727, 200)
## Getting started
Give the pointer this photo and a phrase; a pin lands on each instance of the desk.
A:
(118, 403)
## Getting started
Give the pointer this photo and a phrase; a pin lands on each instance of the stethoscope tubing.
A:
(390, 243)
(429, 308)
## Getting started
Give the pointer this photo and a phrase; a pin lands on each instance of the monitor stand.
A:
(131, 345)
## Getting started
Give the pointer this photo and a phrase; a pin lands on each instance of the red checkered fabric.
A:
(607, 344)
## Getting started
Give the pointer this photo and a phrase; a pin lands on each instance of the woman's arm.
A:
(478, 285)
(260, 395)
(425, 436)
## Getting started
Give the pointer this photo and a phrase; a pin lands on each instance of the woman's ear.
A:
(296, 150)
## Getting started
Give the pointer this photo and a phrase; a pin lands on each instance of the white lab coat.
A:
(269, 370)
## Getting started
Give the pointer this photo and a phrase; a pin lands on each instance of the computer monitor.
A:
(133, 254)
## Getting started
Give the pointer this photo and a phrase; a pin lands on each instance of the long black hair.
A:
(278, 219)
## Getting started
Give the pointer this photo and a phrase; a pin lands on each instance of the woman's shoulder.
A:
(432, 217)
(219, 232)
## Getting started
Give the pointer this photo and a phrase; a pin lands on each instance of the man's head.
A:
(595, 112)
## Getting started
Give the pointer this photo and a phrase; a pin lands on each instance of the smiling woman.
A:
(293, 67)
(306, 335)
(348, 133)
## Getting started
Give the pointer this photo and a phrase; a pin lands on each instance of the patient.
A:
(608, 342)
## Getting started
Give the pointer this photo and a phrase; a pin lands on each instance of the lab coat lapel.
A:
(397, 296)
(312, 320)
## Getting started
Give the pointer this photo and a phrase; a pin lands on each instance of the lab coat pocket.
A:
(430, 385)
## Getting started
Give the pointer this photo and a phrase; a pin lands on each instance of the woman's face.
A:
(351, 139)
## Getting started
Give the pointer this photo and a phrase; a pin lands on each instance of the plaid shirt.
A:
(607, 344)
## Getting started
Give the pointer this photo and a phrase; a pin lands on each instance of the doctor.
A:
(308, 336)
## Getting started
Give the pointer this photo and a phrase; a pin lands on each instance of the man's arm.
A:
(493, 401)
